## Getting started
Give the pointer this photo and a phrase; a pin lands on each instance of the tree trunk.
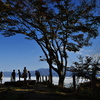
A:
(50, 74)
(61, 80)
(74, 82)
(94, 83)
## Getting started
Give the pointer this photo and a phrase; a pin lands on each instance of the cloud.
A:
(80, 52)
(84, 52)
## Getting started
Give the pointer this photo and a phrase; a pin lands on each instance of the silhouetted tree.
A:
(57, 26)
(88, 67)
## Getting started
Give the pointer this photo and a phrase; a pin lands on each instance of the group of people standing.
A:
(23, 75)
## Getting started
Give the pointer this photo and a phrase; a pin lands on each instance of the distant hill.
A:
(43, 72)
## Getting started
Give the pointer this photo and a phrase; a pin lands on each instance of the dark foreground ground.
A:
(40, 92)
(37, 92)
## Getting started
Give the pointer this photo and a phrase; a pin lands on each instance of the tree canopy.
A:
(57, 26)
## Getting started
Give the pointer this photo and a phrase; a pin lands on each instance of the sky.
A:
(16, 52)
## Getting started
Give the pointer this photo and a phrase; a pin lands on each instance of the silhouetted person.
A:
(29, 75)
(13, 76)
(37, 73)
(25, 73)
(1, 76)
(19, 73)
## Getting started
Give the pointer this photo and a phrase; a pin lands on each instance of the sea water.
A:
(68, 82)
